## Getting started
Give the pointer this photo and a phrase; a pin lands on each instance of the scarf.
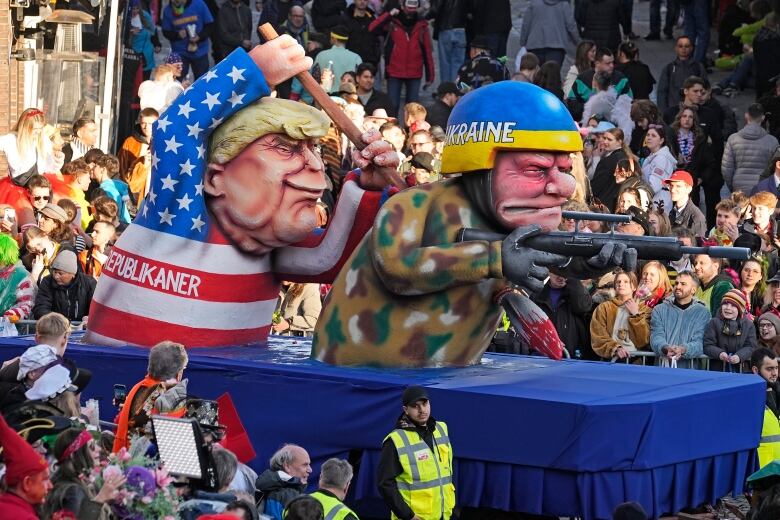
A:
(123, 423)
(655, 297)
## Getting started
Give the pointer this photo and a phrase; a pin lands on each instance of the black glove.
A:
(524, 266)
(614, 254)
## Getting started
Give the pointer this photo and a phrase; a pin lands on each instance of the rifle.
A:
(578, 244)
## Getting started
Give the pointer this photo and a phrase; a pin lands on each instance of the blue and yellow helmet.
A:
(508, 115)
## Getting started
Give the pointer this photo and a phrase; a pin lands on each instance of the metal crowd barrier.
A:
(27, 327)
(646, 357)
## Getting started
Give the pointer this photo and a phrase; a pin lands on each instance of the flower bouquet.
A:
(148, 492)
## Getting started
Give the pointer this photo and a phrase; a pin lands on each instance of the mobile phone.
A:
(9, 214)
(120, 394)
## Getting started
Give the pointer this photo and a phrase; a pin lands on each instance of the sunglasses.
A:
(42, 197)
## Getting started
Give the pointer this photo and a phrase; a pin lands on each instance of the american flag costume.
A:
(173, 275)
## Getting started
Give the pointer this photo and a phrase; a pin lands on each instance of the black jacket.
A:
(639, 77)
(603, 183)
(600, 21)
(390, 467)
(766, 49)
(709, 120)
(569, 317)
(275, 11)
(72, 301)
(495, 17)
(438, 114)
(234, 25)
(361, 41)
(275, 493)
(326, 14)
(447, 14)
(379, 99)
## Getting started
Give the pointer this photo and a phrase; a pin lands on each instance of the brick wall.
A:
(11, 77)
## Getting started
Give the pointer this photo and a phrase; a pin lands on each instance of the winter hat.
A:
(34, 358)
(21, 460)
(736, 297)
(52, 383)
(772, 318)
(66, 262)
(55, 212)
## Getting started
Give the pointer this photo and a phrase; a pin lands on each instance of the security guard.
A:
(763, 362)
(415, 470)
(335, 477)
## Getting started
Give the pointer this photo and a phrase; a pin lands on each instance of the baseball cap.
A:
(448, 87)
(602, 127)
(412, 394)
(682, 176)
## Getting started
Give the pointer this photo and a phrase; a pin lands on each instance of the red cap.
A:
(21, 459)
(682, 176)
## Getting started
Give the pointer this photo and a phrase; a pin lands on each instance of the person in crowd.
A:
(643, 113)
(41, 251)
(371, 98)
(605, 104)
(356, 18)
(421, 169)
(396, 478)
(92, 260)
(762, 221)
(528, 69)
(296, 25)
(670, 20)
(481, 68)
(771, 102)
(286, 478)
(449, 30)
(77, 453)
(26, 476)
(549, 29)
(620, 326)
(694, 91)
(276, 11)
(770, 179)
(326, 14)
(54, 222)
(410, 51)
(161, 90)
(683, 212)
(633, 191)
(659, 165)
(493, 24)
(772, 304)
(603, 182)
(299, 309)
(747, 152)
(766, 45)
(338, 58)
(447, 95)
(53, 134)
(17, 289)
(304, 508)
(234, 27)
(674, 74)
(640, 79)
(549, 78)
(655, 286)
(167, 361)
(104, 209)
(584, 56)
(568, 304)
(639, 225)
(84, 138)
(582, 89)
(730, 336)
(659, 222)
(335, 477)
(600, 21)
(78, 172)
(677, 324)
(763, 362)
(188, 25)
(142, 32)
(79, 238)
(752, 283)
(393, 133)
(726, 228)
(203, 503)
(106, 168)
(39, 191)
(26, 149)
(768, 325)
(135, 156)
(66, 290)
(714, 284)
(414, 117)
(421, 141)
(697, 27)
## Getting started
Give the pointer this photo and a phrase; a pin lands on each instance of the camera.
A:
(120, 394)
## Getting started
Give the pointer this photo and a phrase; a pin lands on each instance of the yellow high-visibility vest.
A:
(333, 508)
(769, 449)
(426, 481)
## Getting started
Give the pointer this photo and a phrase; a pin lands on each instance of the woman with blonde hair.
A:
(655, 284)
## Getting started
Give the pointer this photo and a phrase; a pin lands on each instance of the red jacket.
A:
(12, 506)
(406, 54)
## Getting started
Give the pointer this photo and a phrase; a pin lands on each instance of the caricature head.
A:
(265, 174)
(515, 157)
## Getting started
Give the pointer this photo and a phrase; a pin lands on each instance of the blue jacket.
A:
(769, 184)
(120, 193)
(195, 13)
(671, 325)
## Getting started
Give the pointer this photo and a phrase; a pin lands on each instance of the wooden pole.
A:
(343, 122)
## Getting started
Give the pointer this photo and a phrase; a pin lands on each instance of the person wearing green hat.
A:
(763, 362)
(412, 294)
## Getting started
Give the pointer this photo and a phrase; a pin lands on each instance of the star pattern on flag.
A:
(176, 201)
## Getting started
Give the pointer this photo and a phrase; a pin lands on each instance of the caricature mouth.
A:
(308, 193)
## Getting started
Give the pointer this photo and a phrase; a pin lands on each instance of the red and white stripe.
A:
(156, 286)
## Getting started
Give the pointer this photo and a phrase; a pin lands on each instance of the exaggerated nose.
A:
(559, 184)
(312, 158)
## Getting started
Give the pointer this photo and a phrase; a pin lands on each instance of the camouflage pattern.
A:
(410, 295)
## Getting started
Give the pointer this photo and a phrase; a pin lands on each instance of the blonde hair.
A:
(267, 116)
(52, 325)
(25, 142)
(161, 70)
(415, 109)
(662, 275)
(580, 174)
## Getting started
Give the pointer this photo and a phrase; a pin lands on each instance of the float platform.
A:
(560, 438)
